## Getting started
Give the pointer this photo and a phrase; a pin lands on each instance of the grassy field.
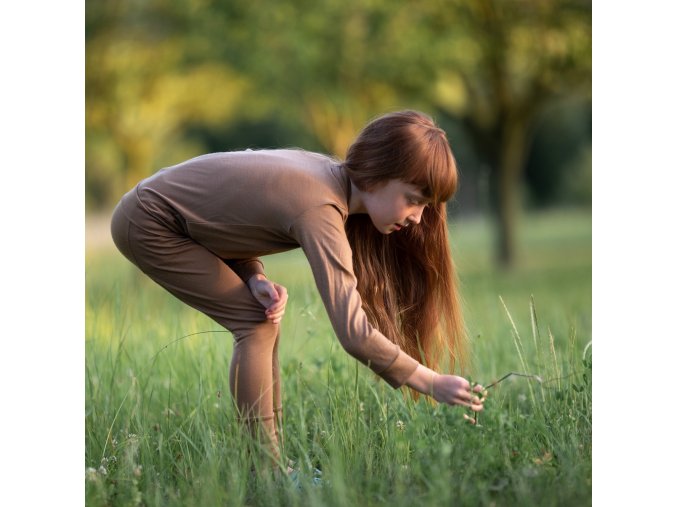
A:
(160, 426)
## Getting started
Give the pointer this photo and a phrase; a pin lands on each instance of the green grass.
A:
(160, 424)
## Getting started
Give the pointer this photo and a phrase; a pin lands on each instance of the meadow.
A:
(161, 430)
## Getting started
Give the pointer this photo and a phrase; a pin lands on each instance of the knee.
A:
(262, 333)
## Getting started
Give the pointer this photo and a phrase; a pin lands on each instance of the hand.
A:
(456, 390)
(272, 296)
(449, 389)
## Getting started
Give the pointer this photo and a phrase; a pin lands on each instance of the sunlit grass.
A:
(161, 430)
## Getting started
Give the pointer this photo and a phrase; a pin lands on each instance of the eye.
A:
(415, 201)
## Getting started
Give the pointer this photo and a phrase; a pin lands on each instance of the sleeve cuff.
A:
(246, 268)
(399, 370)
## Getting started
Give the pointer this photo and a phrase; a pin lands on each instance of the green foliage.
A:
(164, 78)
(559, 170)
(161, 430)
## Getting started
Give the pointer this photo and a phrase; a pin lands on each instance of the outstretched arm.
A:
(449, 389)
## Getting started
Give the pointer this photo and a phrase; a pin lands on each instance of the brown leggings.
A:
(202, 280)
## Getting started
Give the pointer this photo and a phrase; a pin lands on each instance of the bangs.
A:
(408, 146)
(434, 171)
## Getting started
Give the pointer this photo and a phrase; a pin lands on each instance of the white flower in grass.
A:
(361, 406)
(400, 425)
(530, 471)
(103, 470)
(90, 473)
(446, 449)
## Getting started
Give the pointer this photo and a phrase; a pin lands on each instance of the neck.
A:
(356, 204)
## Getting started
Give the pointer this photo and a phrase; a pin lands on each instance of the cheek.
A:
(401, 211)
(391, 213)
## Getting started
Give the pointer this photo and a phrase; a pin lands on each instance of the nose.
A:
(415, 217)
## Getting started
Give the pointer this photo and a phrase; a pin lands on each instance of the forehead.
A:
(400, 186)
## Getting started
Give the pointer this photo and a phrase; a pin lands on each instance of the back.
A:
(242, 204)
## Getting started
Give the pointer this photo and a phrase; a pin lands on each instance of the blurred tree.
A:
(558, 170)
(323, 63)
(493, 64)
(502, 62)
(164, 77)
(144, 87)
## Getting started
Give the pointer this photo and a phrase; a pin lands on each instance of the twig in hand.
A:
(537, 377)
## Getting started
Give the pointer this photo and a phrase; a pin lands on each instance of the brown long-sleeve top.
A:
(242, 205)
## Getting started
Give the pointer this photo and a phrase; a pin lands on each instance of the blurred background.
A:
(509, 81)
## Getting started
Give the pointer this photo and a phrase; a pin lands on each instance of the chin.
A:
(383, 229)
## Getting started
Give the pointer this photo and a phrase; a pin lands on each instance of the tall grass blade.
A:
(585, 350)
(573, 339)
(558, 373)
(536, 335)
(110, 429)
(518, 345)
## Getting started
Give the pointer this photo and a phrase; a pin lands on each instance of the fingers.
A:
(472, 402)
(471, 419)
(275, 311)
(275, 318)
(477, 400)
(281, 290)
(476, 404)
(272, 296)
(280, 299)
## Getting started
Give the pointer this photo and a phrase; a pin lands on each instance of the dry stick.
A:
(538, 378)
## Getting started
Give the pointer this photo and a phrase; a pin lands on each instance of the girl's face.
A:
(394, 205)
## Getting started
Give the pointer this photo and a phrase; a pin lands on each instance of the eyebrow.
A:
(419, 196)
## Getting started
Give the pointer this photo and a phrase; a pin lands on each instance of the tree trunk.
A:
(505, 189)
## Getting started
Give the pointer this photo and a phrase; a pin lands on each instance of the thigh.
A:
(197, 277)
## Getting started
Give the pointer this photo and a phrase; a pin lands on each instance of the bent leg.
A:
(203, 281)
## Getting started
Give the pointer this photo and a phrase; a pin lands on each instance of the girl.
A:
(372, 227)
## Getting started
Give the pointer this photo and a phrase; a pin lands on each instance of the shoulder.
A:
(322, 225)
(312, 181)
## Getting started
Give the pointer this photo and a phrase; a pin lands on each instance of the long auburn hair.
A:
(407, 279)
